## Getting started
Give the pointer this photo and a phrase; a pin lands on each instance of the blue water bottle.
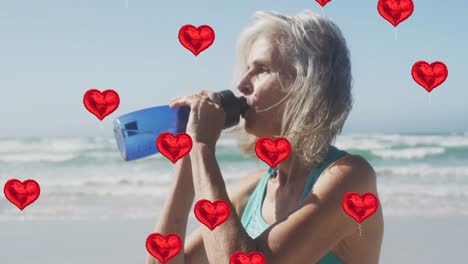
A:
(136, 132)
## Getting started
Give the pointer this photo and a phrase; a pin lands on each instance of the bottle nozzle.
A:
(233, 106)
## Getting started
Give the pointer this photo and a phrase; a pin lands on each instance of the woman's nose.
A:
(245, 86)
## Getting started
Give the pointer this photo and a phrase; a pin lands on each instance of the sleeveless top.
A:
(252, 218)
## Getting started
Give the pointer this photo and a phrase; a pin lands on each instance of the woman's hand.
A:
(206, 118)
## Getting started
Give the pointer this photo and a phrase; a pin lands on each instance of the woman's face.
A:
(261, 86)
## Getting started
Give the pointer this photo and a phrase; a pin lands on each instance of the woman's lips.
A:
(248, 109)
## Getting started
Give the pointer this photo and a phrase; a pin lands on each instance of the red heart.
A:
(163, 247)
(196, 39)
(323, 2)
(395, 11)
(272, 152)
(359, 207)
(212, 214)
(20, 193)
(240, 257)
(174, 147)
(428, 75)
(101, 104)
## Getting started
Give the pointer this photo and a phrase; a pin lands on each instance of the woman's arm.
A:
(174, 216)
(230, 236)
(239, 195)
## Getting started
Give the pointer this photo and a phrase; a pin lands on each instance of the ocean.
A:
(85, 178)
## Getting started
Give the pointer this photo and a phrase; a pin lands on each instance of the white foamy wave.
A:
(131, 175)
(427, 172)
(424, 193)
(408, 153)
(59, 145)
(364, 143)
(387, 141)
(35, 157)
(436, 140)
(109, 190)
(139, 175)
(104, 155)
(227, 142)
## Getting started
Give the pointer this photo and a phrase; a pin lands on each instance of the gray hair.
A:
(318, 87)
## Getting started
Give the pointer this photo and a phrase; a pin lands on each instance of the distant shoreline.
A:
(408, 133)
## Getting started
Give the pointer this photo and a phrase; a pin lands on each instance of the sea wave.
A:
(68, 151)
(35, 157)
(384, 141)
(408, 153)
(432, 140)
(58, 144)
(425, 168)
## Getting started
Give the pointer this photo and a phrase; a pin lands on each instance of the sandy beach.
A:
(407, 240)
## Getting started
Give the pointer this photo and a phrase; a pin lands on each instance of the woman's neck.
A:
(292, 170)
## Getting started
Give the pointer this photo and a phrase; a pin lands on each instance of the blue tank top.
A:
(252, 218)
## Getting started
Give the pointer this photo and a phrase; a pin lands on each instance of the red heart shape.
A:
(163, 247)
(212, 214)
(174, 147)
(428, 75)
(395, 11)
(196, 39)
(272, 152)
(323, 2)
(101, 104)
(20, 193)
(358, 206)
(240, 257)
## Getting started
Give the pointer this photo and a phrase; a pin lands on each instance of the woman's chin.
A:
(253, 130)
(251, 125)
(250, 128)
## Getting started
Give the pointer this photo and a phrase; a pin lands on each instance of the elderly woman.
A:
(296, 75)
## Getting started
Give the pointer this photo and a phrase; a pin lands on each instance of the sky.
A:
(53, 51)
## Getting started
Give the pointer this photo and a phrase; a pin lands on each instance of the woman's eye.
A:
(264, 69)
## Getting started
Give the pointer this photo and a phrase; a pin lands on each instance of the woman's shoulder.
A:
(352, 164)
(240, 193)
(356, 166)
(348, 173)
